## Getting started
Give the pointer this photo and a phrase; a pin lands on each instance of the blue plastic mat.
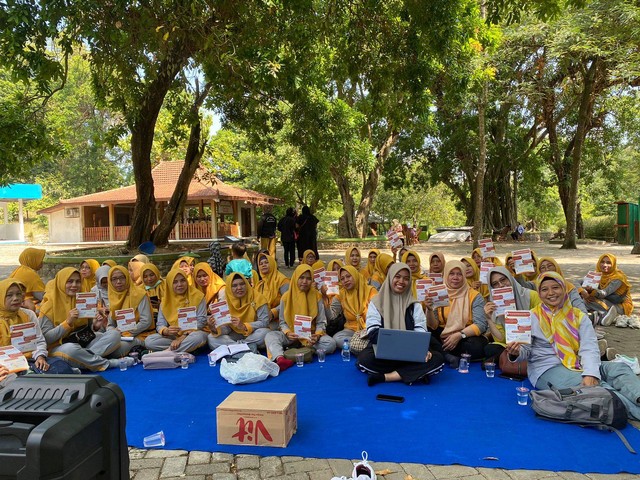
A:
(457, 419)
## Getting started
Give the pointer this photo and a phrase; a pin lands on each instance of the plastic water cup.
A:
(490, 369)
(300, 359)
(523, 395)
(321, 355)
(184, 362)
(212, 362)
(155, 440)
(123, 365)
(465, 360)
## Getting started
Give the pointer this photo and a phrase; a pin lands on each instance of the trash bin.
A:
(626, 225)
(62, 427)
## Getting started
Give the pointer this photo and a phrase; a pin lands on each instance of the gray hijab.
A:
(392, 306)
(521, 294)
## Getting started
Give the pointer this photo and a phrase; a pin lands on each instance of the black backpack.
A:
(269, 224)
(584, 406)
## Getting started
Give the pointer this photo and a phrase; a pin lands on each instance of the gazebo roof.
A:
(203, 186)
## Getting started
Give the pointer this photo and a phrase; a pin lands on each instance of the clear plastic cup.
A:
(463, 366)
(155, 440)
(300, 359)
(321, 355)
(523, 395)
(123, 365)
(490, 369)
(212, 362)
(184, 362)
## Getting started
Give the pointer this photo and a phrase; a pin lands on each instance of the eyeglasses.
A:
(502, 282)
(118, 279)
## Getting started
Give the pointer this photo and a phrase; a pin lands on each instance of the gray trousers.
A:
(277, 341)
(343, 335)
(125, 348)
(255, 340)
(194, 340)
(93, 357)
(615, 376)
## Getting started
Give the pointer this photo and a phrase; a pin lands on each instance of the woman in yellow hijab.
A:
(181, 318)
(88, 273)
(123, 294)
(209, 283)
(564, 349)
(31, 260)
(352, 257)
(613, 295)
(309, 258)
(476, 254)
(383, 262)
(249, 313)
(272, 284)
(301, 299)
(12, 315)
(352, 301)
(59, 320)
(412, 259)
(369, 268)
(548, 264)
(154, 286)
(186, 264)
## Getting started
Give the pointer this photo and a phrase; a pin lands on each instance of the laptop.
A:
(404, 345)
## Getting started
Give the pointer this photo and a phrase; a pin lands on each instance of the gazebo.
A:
(14, 232)
(214, 209)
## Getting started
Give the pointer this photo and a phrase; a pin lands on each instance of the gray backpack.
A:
(585, 406)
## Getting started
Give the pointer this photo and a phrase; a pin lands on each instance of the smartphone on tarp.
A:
(389, 398)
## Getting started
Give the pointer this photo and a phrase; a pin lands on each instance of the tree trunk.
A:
(584, 116)
(346, 224)
(478, 210)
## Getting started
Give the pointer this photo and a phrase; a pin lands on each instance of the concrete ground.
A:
(183, 465)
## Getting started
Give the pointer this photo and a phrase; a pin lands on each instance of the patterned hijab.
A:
(216, 262)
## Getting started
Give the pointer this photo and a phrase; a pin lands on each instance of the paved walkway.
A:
(183, 465)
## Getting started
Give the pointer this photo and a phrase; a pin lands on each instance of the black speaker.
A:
(63, 427)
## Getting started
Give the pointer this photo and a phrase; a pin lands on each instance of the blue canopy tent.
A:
(16, 193)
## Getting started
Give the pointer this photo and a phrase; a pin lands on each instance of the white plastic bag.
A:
(251, 368)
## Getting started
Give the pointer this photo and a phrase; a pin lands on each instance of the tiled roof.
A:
(203, 186)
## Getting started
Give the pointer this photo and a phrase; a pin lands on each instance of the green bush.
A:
(600, 228)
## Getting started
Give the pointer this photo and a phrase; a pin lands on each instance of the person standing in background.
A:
(267, 231)
(287, 227)
(307, 225)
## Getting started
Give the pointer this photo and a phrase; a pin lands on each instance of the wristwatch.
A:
(463, 335)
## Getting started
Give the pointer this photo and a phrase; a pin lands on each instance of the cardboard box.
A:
(257, 418)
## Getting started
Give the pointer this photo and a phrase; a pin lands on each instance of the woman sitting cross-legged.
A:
(395, 307)
(564, 350)
(300, 299)
(179, 294)
(272, 284)
(12, 294)
(249, 312)
(31, 260)
(60, 324)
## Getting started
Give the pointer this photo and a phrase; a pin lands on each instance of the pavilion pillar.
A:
(112, 222)
(20, 220)
(254, 228)
(214, 219)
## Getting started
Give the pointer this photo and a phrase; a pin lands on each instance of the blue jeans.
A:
(56, 366)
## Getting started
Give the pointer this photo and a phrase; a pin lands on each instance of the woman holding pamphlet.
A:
(505, 294)
(209, 283)
(129, 310)
(477, 257)
(302, 319)
(31, 260)
(412, 259)
(247, 320)
(352, 301)
(612, 293)
(368, 269)
(472, 274)
(462, 323)
(88, 273)
(383, 262)
(153, 285)
(564, 351)
(395, 307)
(548, 264)
(273, 283)
(72, 330)
(19, 329)
(181, 318)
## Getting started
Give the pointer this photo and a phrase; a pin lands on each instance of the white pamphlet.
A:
(302, 326)
(226, 350)
(220, 313)
(332, 282)
(23, 336)
(318, 277)
(487, 249)
(126, 319)
(504, 299)
(422, 286)
(13, 359)
(484, 272)
(440, 295)
(592, 280)
(87, 304)
(394, 239)
(437, 278)
(187, 318)
(523, 261)
(517, 326)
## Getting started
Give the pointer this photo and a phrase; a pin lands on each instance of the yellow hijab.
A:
(495, 260)
(110, 263)
(569, 286)
(89, 282)
(156, 290)
(190, 261)
(297, 302)
(440, 255)
(271, 283)
(355, 302)
(616, 274)
(30, 259)
(7, 317)
(417, 275)
(244, 308)
(332, 263)
(130, 297)
(56, 303)
(171, 301)
(215, 282)
(562, 328)
(317, 264)
(476, 270)
(347, 256)
(459, 309)
(369, 268)
(383, 262)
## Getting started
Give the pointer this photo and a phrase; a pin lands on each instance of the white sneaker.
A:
(631, 361)
(634, 321)
(362, 470)
(622, 321)
(609, 317)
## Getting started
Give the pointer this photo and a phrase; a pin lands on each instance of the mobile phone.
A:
(389, 398)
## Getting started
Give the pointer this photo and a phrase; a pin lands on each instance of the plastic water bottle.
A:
(346, 352)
